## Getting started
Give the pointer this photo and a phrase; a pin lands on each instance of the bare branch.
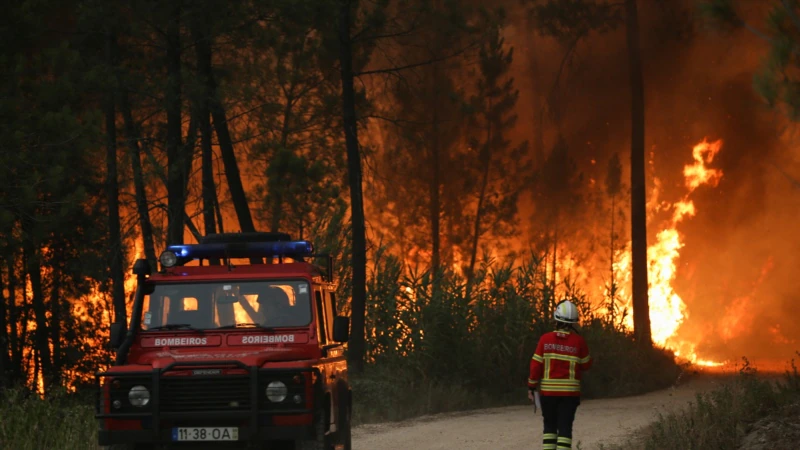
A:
(411, 66)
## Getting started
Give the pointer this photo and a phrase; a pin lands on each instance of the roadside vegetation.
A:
(441, 345)
(63, 422)
(752, 411)
(453, 343)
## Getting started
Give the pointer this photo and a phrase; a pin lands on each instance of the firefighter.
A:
(556, 367)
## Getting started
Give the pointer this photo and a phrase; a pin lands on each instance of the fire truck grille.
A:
(192, 393)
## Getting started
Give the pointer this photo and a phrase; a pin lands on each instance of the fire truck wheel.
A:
(320, 441)
(128, 447)
(345, 437)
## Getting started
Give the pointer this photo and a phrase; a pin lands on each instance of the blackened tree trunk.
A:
(41, 337)
(435, 199)
(277, 193)
(232, 173)
(641, 307)
(112, 190)
(176, 195)
(55, 325)
(4, 354)
(476, 232)
(201, 36)
(485, 160)
(357, 346)
(15, 370)
(142, 207)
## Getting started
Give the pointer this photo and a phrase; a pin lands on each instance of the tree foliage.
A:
(386, 132)
(776, 81)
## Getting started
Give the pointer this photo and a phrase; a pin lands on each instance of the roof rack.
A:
(250, 237)
(225, 246)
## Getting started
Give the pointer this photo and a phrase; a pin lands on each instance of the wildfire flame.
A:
(667, 310)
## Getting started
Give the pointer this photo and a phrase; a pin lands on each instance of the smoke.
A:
(737, 271)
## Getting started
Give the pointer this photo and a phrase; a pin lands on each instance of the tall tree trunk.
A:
(486, 161)
(4, 347)
(641, 307)
(24, 318)
(277, 195)
(613, 288)
(112, 189)
(357, 346)
(176, 196)
(209, 190)
(55, 326)
(41, 337)
(435, 210)
(232, 173)
(476, 233)
(142, 207)
(15, 370)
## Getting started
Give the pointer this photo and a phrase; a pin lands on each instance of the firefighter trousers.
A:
(558, 413)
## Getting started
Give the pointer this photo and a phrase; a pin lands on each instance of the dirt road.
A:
(598, 422)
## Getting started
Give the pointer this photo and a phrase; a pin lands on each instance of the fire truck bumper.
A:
(178, 405)
(262, 434)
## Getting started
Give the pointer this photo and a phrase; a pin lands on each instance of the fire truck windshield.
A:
(207, 306)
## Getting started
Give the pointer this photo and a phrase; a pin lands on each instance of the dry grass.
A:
(741, 414)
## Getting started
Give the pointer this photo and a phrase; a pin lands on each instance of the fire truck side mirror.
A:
(117, 334)
(341, 329)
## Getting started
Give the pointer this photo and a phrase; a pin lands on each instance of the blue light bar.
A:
(292, 249)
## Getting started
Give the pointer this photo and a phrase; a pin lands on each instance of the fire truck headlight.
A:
(168, 258)
(277, 391)
(139, 396)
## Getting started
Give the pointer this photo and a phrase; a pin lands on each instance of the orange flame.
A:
(667, 309)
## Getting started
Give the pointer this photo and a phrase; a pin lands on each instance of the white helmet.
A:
(566, 312)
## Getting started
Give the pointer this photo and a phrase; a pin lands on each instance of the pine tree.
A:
(502, 169)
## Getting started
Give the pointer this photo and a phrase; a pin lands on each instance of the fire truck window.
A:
(279, 303)
(190, 304)
(320, 319)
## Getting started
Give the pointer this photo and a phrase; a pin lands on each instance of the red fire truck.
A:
(234, 343)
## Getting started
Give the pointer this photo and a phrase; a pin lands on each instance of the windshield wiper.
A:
(176, 326)
(244, 325)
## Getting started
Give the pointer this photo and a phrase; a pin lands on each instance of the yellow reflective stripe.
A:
(537, 358)
(585, 360)
(565, 440)
(561, 381)
(547, 368)
(561, 388)
(549, 436)
(546, 385)
(532, 381)
(561, 357)
(562, 331)
(549, 447)
(572, 370)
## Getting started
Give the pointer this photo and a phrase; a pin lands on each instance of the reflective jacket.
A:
(560, 358)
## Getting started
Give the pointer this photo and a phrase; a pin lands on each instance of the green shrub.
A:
(29, 423)
(442, 343)
(622, 366)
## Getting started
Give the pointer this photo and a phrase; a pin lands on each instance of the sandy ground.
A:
(598, 422)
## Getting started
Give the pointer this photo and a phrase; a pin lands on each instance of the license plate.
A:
(205, 434)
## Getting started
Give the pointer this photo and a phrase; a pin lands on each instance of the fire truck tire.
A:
(320, 441)
(345, 436)
(128, 447)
